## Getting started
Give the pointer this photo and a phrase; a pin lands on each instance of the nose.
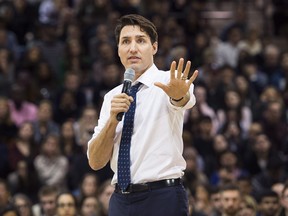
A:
(133, 46)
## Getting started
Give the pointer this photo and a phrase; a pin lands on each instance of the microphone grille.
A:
(129, 74)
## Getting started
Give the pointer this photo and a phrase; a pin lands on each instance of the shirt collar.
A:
(148, 77)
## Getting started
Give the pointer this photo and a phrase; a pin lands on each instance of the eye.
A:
(141, 40)
(125, 41)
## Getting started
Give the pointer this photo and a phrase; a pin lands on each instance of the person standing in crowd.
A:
(154, 186)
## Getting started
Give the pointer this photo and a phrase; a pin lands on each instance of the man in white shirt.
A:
(156, 162)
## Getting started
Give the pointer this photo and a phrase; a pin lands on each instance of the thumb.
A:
(161, 85)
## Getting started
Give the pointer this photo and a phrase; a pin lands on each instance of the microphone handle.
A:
(120, 116)
(125, 89)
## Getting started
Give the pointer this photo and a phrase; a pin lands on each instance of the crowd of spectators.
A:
(58, 58)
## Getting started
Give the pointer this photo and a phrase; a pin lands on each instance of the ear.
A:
(155, 47)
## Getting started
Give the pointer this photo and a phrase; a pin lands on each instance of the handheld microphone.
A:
(128, 79)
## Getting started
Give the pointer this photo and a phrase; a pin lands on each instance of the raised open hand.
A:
(179, 83)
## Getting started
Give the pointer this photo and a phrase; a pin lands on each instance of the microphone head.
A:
(129, 74)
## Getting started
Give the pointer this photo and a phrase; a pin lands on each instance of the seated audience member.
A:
(24, 180)
(202, 199)
(44, 124)
(51, 166)
(23, 204)
(274, 173)
(244, 184)
(84, 126)
(21, 109)
(234, 110)
(248, 206)
(47, 201)
(230, 197)
(88, 187)
(89, 206)
(110, 77)
(104, 194)
(260, 153)
(220, 145)
(275, 124)
(215, 201)
(68, 143)
(268, 203)
(66, 205)
(23, 147)
(229, 170)
(70, 99)
(205, 108)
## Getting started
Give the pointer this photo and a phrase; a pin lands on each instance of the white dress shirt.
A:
(156, 144)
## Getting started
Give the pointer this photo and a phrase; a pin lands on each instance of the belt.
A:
(135, 188)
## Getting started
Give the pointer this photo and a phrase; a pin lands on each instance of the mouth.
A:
(133, 58)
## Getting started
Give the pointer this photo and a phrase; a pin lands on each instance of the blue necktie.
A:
(124, 176)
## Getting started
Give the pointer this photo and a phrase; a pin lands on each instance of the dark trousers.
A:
(168, 201)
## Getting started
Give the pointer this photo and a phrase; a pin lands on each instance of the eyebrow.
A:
(137, 36)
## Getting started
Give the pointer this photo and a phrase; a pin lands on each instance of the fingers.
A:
(179, 74)
(187, 69)
(193, 77)
(172, 70)
(121, 103)
(180, 68)
(161, 85)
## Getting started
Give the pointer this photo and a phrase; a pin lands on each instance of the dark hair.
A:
(47, 190)
(138, 20)
(214, 190)
(229, 187)
(69, 194)
(266, 193)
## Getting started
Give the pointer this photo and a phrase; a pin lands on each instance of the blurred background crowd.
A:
(58, 58)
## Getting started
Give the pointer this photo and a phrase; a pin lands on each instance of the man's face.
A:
(48, 204)
(269, 206)
(135, 49)
(215, 200)
(230, 200)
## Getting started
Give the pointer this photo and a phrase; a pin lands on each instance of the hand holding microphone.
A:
(128, 79)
